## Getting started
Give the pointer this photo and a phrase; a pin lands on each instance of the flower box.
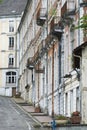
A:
(75, 119)
(61, 121)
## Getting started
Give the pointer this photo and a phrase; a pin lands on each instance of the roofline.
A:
(28, 2)
(10, 15)
(79, 48)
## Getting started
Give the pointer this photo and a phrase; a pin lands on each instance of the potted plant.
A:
(75, 117)
(37, 109)
(60, 119)
(76, 113)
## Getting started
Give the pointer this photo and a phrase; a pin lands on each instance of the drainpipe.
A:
(59, 72)
(47, 64)
(47, 81)
(53, 81)
(79, 18)
(38, 85)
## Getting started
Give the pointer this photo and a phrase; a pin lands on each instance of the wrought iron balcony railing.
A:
(41, 16)
(56, 27)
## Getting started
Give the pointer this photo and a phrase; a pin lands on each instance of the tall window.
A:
(11, 42)
(11, 26)
(71, 101)
(66, 103)
(11, 60)
(78, 99)
(11, 77)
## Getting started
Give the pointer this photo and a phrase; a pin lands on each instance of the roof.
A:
(10, 7)
(79, 48)
(24, 14)
(77, 53)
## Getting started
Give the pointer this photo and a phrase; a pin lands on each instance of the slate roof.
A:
(12, 7)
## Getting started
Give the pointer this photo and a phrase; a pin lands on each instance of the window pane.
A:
(11, 60)
(9, 79)
(11, 42)
(11, 26)
(12, 79)
(8, 73)
(13, 73)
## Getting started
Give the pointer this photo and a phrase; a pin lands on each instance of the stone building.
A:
(10, 15)
(47, 39)
(72, 77)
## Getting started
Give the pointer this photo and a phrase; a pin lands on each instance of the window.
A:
(78, 99)
(66, 103)
(71, 101)
(11, 42)
(11, 60)
(11, 77)
(11, 26)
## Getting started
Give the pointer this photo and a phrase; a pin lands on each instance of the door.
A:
(13, 91)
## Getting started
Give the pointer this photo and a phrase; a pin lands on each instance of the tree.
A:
(82, 24)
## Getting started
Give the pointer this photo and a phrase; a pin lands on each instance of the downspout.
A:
(18, 60)
(79, 18)
(59, 72)
(47, 64)
(38, 85)
(53, 81)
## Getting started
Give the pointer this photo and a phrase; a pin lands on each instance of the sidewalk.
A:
(42, 118)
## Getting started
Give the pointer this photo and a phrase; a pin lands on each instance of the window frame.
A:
(10, 60)
(10, 77)
(11, 42)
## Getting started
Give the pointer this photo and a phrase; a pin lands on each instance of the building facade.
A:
(47, 39)
(10, 17)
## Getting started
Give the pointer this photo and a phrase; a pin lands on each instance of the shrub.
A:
(76, 113)
(60, 117)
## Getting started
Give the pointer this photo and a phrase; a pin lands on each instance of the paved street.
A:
(12, 117)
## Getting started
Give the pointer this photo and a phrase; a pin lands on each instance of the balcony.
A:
(56, 27)
(41, 16)
(84, 3)
(30, 64)
(68, 9)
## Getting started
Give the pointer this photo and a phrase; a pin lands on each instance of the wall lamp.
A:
(67, 76)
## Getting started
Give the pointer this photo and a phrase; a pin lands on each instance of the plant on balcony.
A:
(82, 24)
(76, 113)
(75, 117)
